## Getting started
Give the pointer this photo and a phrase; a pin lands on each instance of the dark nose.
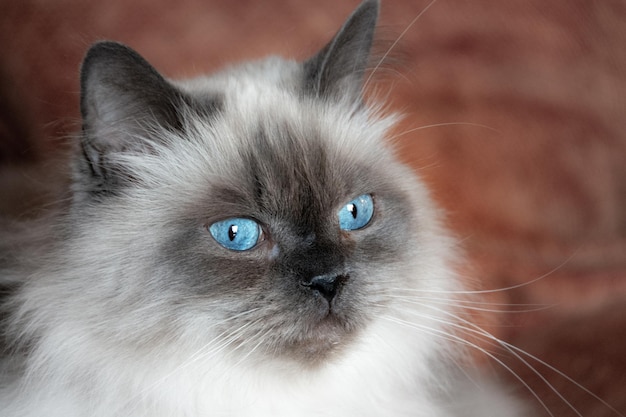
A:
(326, 285)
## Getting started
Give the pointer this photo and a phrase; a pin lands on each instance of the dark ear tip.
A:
(338, 69)
(103, 51)
(98, 53)
(368, 8)
(371, 6)
(106, 46)
(105, 60)
(99, 56)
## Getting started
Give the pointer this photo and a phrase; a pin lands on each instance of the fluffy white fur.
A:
(154, 360)
(389, 371)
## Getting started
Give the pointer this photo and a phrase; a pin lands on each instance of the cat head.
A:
(258, 208)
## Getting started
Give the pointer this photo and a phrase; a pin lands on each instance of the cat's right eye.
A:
(236, 233)
(357, 213)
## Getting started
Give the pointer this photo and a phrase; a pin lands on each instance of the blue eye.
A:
(236, 233)
(357, 213)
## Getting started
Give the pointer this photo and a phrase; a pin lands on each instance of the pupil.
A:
(352, 209)
(232, 232)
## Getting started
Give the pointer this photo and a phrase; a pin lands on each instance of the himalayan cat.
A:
(243, 244)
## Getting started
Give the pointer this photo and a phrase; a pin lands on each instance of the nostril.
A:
(326, 285)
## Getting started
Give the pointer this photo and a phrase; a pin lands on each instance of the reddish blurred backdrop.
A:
(528, 156)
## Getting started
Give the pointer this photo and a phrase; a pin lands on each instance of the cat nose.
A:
(326, 285)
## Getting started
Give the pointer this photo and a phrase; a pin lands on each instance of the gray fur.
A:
(135, 309)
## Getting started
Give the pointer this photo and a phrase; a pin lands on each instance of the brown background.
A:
(531, 167)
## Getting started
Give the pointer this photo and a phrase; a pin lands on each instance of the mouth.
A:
(321, 324)
(325, 335)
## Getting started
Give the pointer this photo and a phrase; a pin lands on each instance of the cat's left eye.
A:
(237, 233)
(357, 213)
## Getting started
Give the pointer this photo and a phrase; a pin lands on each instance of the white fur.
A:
(80, 368)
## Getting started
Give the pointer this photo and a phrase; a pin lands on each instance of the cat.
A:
(242, 244)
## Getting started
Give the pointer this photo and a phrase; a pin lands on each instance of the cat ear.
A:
(123, 100)
(122, 94)
(337, 70)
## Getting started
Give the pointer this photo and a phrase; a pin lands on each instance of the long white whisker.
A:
(260, 335)
(504, 289)
(513, 349)
(476, 330)
(415, 129)
(202, 353)
(460, 340)
(475, 305)
(494, 341)
(398, 39)
(563, 375)
(517, 352)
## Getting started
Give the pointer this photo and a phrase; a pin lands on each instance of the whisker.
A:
(476, 330)
(398, 39)
(503, 289)
(260, 335)
(517, 352)
(475, 305)
(453, 338)
(563, 375)
(415, 129)
(202, 353)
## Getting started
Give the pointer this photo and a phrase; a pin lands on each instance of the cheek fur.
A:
(205, 269)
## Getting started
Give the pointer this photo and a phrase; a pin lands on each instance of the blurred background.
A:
(515, 115)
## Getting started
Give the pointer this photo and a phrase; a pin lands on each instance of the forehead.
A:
(291, 172)
(271, 150)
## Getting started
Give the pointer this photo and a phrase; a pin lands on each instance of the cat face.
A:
(310, 279)
(258, 208)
